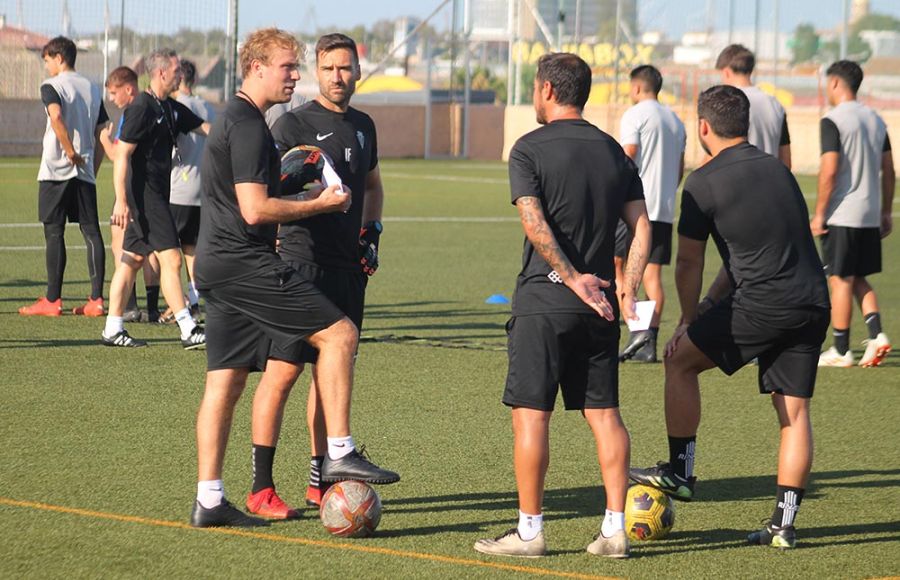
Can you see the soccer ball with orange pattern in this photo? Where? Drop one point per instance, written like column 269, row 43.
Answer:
column 350, row 509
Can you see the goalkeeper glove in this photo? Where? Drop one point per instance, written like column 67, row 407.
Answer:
column 368, row 246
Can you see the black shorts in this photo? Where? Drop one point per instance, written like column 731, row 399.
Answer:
column 152, row 227
column 851, row 251
column 661, row 243
column 575, row 352
column 244, row 319
column 345, row 289
column 72, row 199
column 786, row 343
column 623, row 240
column 187, row 223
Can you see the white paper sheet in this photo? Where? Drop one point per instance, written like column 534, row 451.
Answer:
column 644, row 311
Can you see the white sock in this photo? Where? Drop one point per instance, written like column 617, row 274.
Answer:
column 612, row 523
column 185, row 322
column 530, row 525
column 193, row 295
column 210, row 493
column 340, row 446
column 114, row 325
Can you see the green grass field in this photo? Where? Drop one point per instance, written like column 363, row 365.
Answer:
column 98, row 451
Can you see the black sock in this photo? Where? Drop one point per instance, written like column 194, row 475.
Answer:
column 96, row 258
column 681, row 455
column 54, row 235
column 132, row 299
column 841, row 340
column 873, row 323
column 152, row 298
column 263, row 459
column 315, row 471
column 786, row 505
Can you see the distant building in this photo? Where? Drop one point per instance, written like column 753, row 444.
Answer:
column 884, row 43
column 702, row 48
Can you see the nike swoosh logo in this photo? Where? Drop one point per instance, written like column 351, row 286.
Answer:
column 320, row 137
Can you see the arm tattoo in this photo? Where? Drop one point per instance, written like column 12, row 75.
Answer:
column 541, row 237
column 634, row 267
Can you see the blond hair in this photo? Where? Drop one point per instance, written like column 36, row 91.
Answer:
column 259, row 46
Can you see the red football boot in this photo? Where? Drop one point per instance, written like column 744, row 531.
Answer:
column 267, row 504
column 43, row 307
column 93, row 307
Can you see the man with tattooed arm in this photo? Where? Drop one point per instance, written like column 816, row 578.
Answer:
column 571, row 183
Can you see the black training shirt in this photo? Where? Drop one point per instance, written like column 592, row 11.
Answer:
column 152, row 125
column 583, row 179
column 239, row 149
column 330, row 240
column 751, row 205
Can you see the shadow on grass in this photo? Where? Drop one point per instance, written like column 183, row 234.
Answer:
column 48, row 343
column 22, row 283
column 807, row 538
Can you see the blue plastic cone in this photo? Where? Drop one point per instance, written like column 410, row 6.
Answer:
column 497, row 299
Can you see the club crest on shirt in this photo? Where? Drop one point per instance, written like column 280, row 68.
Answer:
column 361, row 138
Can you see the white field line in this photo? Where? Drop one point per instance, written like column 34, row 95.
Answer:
column 396, row 219
column 438, row 177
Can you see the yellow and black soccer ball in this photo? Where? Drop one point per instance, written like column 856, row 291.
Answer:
column 649, row 513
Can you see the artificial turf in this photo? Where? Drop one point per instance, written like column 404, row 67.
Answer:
column 98, row 448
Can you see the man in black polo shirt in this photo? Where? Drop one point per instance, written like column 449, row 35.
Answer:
column 336, row 251
column 144, row 155
column 769, row 302
column 253, row 299
column 571, row 183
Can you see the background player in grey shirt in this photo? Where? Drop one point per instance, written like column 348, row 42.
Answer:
column 853, row 211
column 184, row 198
column 768, row 122
column 654, row 137
column 69, row 162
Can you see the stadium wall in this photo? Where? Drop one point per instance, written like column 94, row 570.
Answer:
column 494, row 130
column 803, row 123
column 401, row 129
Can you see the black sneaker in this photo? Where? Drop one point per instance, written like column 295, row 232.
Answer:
column 224, row 514
column 355, row 466
column 636, row 341
column 121, row 339
column 196, row 339
column 152, row 317
column 647, row 353
column 663, row 477
column 771, row 535
column 135, row 315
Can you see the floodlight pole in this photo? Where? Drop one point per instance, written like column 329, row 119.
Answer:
column 730, row 20
column 121, row 32
column 105, row 44
column 517, row 73
column 577, row 21
column 618, row 39
column 467, row 87
column 230, row 49
column 756, row 28
column 560, row 24
column 429, row 64
column 510, row 34
column 845, row 16
column 775, row 47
